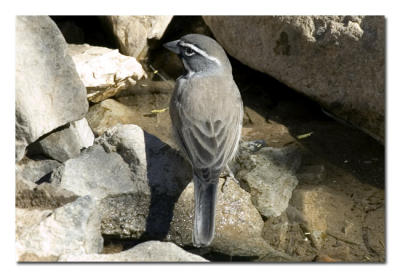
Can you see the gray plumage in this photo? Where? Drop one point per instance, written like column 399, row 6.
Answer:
column 206, row 112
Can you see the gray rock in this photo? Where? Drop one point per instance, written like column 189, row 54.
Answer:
column 136, row 177
column 65, row 143
column 132, row 32
column 49, row 92
column 238, row 225
column 337, row 60
column 150, row 251
column 96, row 173
column 29, row 195
column 269, row 175
column 73, row 228
column 35, row 170
column 104, row 71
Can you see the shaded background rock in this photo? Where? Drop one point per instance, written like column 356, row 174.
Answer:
column 133, row 32
column 104, row 71
column 49, row 92
column 73, row 228
column 150, row 251
column 338, row 61
column 65, row 142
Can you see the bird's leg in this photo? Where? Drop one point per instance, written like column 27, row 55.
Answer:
column 229, row 176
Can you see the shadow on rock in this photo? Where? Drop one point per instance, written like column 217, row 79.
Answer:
column 168, row 175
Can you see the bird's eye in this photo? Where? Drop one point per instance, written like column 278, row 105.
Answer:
column 189, row 51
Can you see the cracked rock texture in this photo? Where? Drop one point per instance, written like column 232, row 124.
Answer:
column 338, row 61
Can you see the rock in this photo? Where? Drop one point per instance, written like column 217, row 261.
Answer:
column 238, row 225
column 98, row 174
column 136, row 177
column 269, row 175
column 107, row 114
column 150, row 251
column 49, row 92
column 338, row 61
column 44, row 196
column 64, row 143
column 104, row 71
column 132, row 32
column 167, row 174
column 36, row 170
column 73, row 228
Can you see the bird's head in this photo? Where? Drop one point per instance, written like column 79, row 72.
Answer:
column 200, row 54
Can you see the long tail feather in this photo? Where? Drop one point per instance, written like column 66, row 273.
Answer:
column 205, row 194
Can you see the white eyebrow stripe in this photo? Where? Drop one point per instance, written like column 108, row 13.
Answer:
column 201, row 52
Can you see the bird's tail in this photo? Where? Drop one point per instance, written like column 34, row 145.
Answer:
column 205, row 194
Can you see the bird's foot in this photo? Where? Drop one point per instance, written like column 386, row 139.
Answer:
column 228, row 176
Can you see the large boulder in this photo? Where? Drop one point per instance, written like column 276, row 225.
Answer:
column 49, row 92
column 337, row 60
column 104, row 71
column 150, row 251
column 132, row 32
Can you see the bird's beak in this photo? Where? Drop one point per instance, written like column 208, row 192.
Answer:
column 172, row 46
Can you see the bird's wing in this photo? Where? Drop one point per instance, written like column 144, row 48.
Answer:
column 209, row 136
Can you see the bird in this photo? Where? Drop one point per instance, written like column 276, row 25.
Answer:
column 206, row 111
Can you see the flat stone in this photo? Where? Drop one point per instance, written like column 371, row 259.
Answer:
column 104, row 71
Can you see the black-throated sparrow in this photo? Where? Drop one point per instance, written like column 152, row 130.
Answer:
column 206, row 112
